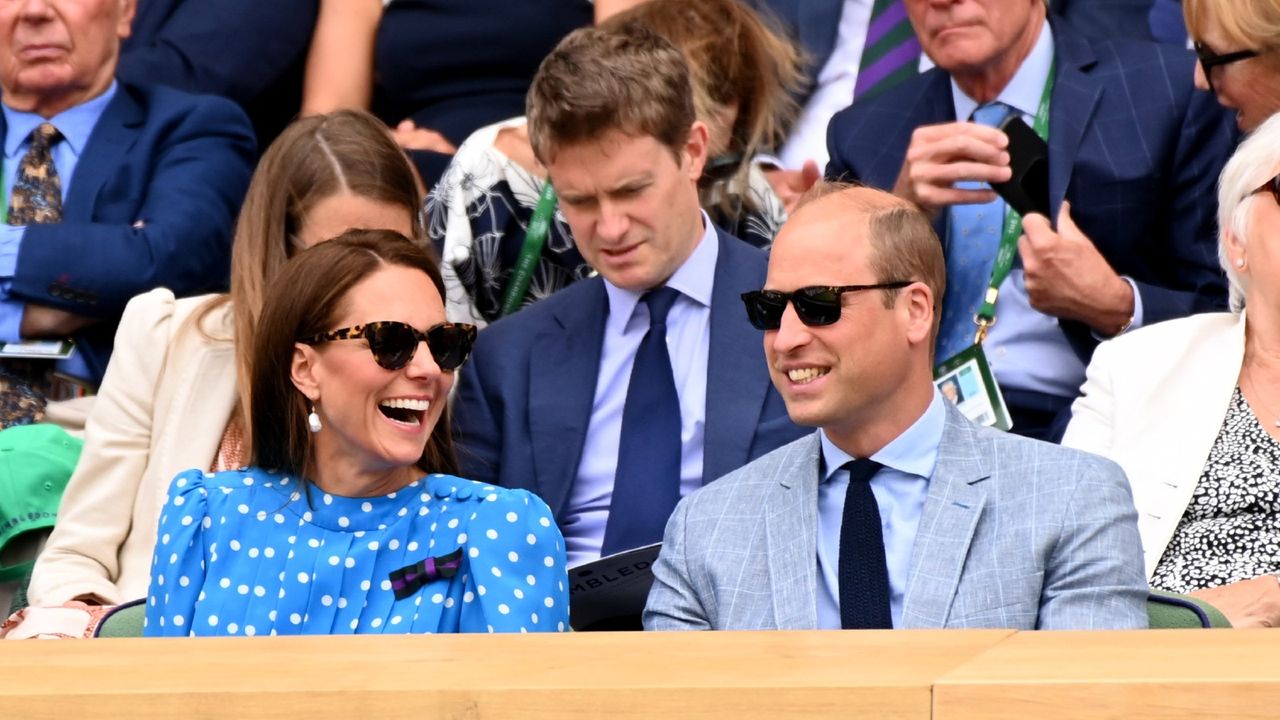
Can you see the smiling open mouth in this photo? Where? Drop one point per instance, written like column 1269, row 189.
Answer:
column 405, row 411
column 804, row 376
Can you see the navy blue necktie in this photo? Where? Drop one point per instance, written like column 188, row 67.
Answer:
column 864, row 574
column 646, row 485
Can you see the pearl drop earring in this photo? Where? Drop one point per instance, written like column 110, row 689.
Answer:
column 1240, row 263
column 313, row 420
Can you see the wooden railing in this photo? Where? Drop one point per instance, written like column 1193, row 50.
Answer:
column 948, row 675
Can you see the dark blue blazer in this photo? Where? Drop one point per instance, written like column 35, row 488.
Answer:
column 152, row 203
column 250, row 51
column 525, row 398
column 1132, row 145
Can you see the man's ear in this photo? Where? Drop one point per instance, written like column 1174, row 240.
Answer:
column 694, row 152
column 128, row 10
column 917, row 301
column 303, row 371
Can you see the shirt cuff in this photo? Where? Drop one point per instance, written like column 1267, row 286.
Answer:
column 10, row 315
column 768, row 162
column 1135, row 322
column 10, row 241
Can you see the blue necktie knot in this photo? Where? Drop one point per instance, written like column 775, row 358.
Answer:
column 660, row 300
column 991, row 114
column 862, row 469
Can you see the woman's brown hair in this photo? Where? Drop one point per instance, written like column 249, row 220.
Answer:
column 316, row 157
column 736, row 61
column 305, row 302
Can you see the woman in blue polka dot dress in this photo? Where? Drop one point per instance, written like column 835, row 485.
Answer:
column 357, row 531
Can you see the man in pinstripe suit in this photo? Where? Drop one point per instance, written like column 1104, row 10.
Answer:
column 1134, row 152
column 941, row 523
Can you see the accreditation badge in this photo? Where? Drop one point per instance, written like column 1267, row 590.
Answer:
column 966, row 380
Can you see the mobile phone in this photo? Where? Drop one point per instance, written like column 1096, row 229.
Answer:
column 1027, row 191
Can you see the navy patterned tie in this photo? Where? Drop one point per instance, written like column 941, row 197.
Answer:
column 863, row 572
column 646, row 485
column 37, row 190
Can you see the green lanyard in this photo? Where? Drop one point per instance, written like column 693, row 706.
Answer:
column 535, row 236
column 986, row 316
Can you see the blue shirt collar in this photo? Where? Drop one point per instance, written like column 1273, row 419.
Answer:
column 694, row 279
column 914, row 452
column 76, row 124
column 1027, row 86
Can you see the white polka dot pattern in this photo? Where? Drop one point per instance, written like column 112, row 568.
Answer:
column 245, row 554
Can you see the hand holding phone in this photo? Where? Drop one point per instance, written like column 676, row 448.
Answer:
column 1027, row 191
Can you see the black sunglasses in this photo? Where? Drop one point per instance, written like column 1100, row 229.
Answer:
column 1210, row 60
column 1272, row 186
column 393, row 344
column 815, row 305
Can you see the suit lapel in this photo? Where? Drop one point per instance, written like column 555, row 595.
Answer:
column 947, row 524
column 563, row 367
column 112, row 138
column 791, row 527
column 1075, row 99
column 737, row 377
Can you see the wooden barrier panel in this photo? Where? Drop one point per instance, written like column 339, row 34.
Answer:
column 873, row 674
column 1158, row 674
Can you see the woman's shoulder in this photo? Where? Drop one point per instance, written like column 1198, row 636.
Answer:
column 489, row 497
column 158, row 313
column 229, row 480
column 1189, row 329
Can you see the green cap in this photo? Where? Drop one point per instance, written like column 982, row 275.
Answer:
column 36, row 462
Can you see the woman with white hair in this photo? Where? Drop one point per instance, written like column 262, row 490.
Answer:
column 1190, row 409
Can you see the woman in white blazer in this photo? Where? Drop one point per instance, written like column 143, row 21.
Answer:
column 170, row 400
column 1190, row 409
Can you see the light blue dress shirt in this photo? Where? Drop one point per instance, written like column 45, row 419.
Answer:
column 76, row 125
column 900, row 488
column 1027, row 349
column 688, row 342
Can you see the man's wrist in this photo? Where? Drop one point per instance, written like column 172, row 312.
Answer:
column 1121, row 316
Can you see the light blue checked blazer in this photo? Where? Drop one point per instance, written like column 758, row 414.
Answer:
column 1015, row 533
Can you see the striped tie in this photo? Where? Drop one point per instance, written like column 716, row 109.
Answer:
column 891, row 53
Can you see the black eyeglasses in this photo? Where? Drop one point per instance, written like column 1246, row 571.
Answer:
column 815, row 305
column 1272, row 186
column 1210, row 60
column 394, row 343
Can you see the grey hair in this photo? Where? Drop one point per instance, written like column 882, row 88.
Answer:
column 1254, row 162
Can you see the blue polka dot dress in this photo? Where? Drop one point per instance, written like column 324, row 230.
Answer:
column 242, row 553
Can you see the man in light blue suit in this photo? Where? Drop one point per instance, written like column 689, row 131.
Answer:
column 898, row 512
column 588, row 397
column 1134, row 152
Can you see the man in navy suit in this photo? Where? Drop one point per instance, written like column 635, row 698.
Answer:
column 1134, row 153
column 553, row 398
column 833, row 32
column 148, row 180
